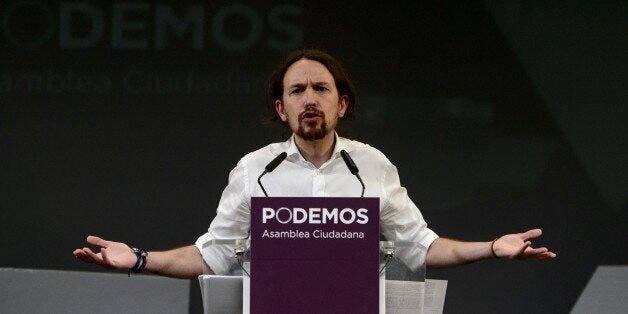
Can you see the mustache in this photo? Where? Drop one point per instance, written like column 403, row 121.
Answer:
column 310, row 112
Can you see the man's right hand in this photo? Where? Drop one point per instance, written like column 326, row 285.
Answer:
column 112, row 255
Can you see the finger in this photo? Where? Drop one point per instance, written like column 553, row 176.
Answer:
column 97, row 258
column 522, row 251
column 104, row 256
column 543, row 256
column 78, row 253
column 86, row 259
column 531, row 234
column 84, row 256
column 98, row 241
column 532, row 252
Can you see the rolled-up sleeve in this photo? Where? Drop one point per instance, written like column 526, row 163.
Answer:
column 400, row 219
column 232, row 221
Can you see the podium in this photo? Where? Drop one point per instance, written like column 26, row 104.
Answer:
column 402, row 285
column 313, row 255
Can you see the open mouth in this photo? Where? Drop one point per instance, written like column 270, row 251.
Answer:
column 310, row 116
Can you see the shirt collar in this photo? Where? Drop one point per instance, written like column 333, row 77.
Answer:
column 293, row 151
column 341, row 144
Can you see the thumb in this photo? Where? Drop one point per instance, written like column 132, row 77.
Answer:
column 531, row 234
column 98, row 241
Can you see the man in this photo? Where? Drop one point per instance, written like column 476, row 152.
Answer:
column 311, row 94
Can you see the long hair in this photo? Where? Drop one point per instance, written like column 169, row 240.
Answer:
column 341, row 78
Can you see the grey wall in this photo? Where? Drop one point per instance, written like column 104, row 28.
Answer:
column 54, row 291
column 124, row 119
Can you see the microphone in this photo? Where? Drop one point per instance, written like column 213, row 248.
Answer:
column 352, row 167
column 270, row 167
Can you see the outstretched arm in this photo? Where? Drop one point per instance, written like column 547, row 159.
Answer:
column 183, row 262
column 447, row 252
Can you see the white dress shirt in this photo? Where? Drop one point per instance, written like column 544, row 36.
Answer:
column 400, row 219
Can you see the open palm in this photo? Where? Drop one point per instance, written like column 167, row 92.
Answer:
column 519, row 246
column 112, row 254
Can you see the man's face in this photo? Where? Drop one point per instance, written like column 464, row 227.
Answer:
column 310, row 103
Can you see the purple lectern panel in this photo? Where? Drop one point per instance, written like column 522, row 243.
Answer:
column 314, row 255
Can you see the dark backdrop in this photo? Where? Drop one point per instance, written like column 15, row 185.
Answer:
column 123, row 120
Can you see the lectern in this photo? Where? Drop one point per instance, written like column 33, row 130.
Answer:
column 314, row 255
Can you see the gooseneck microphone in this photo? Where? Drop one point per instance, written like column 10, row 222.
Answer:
column 270, row 167
column 352, row 167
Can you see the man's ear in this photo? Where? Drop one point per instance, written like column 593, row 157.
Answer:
column 281, row 110
column 343, row 104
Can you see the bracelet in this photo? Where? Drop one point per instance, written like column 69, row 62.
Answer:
column 140, row 263
column 493, row 250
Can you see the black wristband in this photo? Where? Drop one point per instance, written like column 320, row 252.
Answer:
column 493, row 250
column 140, row 263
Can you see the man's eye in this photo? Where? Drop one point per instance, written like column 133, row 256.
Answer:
column 296, row 91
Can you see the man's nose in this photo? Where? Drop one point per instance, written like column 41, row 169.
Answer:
column 310, row 99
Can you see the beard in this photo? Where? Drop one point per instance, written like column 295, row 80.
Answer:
column 312, row 131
